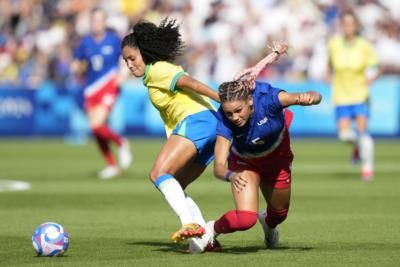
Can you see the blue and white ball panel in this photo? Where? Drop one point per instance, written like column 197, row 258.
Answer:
column 50, row 239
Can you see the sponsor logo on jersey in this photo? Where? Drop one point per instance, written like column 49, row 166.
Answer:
column 263, row 121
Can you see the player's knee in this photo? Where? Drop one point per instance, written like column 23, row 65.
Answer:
column 245, row 220
column 156, row 172
column 347, row 135
column 275, row 217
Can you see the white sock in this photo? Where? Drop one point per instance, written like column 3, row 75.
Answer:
column 210, row 229
column 195, row 211
column 175, row 197
column 348, row 135
column 366, row 145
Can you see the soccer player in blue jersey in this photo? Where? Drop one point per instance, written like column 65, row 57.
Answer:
column 98, row 56
column 252, row 151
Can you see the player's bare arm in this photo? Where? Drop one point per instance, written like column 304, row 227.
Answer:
column 303, row 99
column 278, row 48
column 238, row 179
column 186, row 82
column 221, row 153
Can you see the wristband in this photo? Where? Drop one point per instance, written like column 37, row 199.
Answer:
column 228, row 176
column 277, row 52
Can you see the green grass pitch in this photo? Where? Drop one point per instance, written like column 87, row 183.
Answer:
column 335, row 219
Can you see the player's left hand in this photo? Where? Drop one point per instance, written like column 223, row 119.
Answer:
column 239, row 181
column 280, row 47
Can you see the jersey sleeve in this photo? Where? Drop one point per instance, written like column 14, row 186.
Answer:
column 275, row 106
column 269, row 97
column 371, row 57
column 166, row 75
column 222, row 128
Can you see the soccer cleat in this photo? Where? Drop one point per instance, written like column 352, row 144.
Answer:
column 202, row 244
column 109, row 172
column 355, row 156
column 213, row 246
column 205, row 243
column 188, row 231
column 271, row 235
column 124, row 154
column 367, row 175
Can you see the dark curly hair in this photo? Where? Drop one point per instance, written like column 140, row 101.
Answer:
column 156, row 43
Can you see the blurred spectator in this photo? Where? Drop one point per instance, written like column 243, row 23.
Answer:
column 388, row 47
column 44, row 32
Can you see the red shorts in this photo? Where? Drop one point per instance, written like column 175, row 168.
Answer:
column 274, row 168
column 106, row 96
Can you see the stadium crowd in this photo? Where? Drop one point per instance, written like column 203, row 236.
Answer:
column 38, row 37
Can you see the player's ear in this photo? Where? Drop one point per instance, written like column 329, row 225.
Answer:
column 250, row 100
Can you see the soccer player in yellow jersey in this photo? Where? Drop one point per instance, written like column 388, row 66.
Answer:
column 354, row 66
column 189, row 117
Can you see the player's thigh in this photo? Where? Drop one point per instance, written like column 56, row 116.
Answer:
column 176, row 152
column 343, row 124
column 98, row 115
column 276, row 198
column 247, row 199
column 189, row 172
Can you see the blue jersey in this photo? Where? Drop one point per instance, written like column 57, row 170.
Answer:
column 102, row 59
column 264, row 129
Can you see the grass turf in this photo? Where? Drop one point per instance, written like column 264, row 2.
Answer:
column 335, row 219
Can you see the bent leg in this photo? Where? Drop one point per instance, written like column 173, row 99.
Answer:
column 189, row 173
column 173, row 157
column 185, row 176
column 278, row 202
column 246, row 202
column 98, row 116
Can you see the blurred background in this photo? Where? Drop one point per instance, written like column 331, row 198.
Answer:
column 38, row 92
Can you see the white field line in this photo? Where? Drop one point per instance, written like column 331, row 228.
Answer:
column 10, row 185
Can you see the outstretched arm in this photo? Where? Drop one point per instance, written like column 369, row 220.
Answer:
column 278, row 49
column 186, row 82
column 303, row 99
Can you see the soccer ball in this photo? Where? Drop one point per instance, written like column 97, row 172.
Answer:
column 50, row 239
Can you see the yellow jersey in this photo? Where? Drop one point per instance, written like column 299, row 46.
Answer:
column 173, row 103
column 349, row 63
